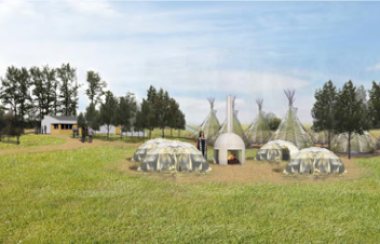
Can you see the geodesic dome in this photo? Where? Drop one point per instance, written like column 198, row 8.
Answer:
column 315, row 160
column 174, row 156
column 141, row 152
column 359, row 143
column 273, row 150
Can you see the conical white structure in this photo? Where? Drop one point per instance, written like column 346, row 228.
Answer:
column 259, row 132
column 210, row 125
column 290, row 128
column 236, row 126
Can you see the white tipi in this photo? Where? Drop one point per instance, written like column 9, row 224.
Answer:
column 210, row 125
column 259, row 132
column 290, row 128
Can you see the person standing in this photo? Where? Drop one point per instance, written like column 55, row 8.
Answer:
column 202, row 145
column 83, row 134
column 90, row 131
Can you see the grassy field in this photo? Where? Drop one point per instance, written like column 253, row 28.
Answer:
column 31, row 140
column 82, row 196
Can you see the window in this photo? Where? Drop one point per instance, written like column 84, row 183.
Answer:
column 66, row 126
column 55, row 127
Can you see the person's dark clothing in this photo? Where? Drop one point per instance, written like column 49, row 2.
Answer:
column 202, row 146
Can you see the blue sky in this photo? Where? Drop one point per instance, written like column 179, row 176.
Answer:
column 197, row 50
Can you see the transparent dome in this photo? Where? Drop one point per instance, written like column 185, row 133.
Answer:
column 273, row 150
column 315, row 160
column 141, row 152
column 174, row 156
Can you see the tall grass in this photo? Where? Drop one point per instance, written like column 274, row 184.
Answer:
column 81, row 196
column 31, row 140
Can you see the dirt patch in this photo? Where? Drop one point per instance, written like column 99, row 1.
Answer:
column 252, row 172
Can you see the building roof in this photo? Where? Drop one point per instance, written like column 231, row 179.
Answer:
column 64, row 118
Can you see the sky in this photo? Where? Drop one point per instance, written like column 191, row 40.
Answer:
column 196, row 50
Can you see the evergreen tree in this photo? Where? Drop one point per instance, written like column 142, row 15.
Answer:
column 148, row 111
column 39, row 90
column 374, row 105
column 24, row 98
column 95, row 88
column 125, row 113
column 181, row 121
column 172, row 115
column 81, row 122
column 162, row 110
column 92, row 117
column 9, row 93
column 108, row 111
column 69, row 89
column 323, row 110
column 138, row 124
column 350, row 114
column 49, row 77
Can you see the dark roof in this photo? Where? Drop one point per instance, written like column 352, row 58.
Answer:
column 64, row 118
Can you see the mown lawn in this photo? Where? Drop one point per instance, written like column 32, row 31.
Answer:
column 32, row 140
column 80, row 196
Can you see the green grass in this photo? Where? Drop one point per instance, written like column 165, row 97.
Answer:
column 31, row 141
column 80, row 196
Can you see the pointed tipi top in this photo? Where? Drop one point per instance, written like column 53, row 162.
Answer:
column 259, row 103
column 210, row 125
column 211, row 100
column 290, row 95
column 258, row 131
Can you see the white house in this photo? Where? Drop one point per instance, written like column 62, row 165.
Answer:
column 65, row 125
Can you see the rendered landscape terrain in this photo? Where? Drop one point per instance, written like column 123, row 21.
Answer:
column 106, row 108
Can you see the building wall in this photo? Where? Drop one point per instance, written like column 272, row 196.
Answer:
column 50, row 121
column 103, row 130
column 63, row 131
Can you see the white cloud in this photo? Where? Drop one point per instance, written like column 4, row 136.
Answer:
column 99, row 7
column 13, row 9
column 375, row 67
column 188, row 66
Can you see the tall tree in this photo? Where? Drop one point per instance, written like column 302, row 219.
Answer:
column 108, row 111
column 125, row 113
column 24, row 97
column 96, row 87
column 138, row 124
column 374, row 105
column 172, row 115
column 92, row 116
column 81, row 121
column 149, row 118
column 181, row 121
column 350, row 114
column 9, row 94
column 323, row 110
column 69, row 89
column 39, row 90
column 162, row 110
column 49, row 82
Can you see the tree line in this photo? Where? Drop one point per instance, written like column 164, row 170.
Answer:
column 346, row 110
column 158, row 110
column 27, row 95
